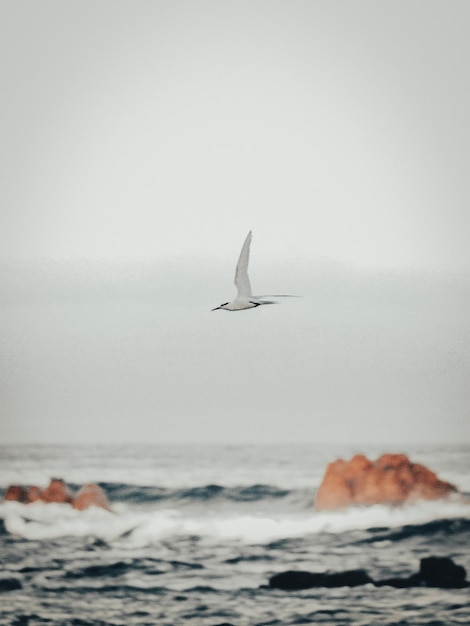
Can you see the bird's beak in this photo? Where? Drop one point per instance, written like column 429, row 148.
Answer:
column 217, row 307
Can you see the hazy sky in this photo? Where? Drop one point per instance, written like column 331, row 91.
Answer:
column 140, row 141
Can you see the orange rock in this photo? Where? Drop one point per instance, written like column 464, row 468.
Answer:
column 33, row 494
column 57, row 491
column 15, row 493
column 392, row 479
column 23, row 494
column 90, row 495
column 427, row 484
column 359, row 463
column 387, row 461
column 406, row 476
column 335, row 491
column 367, row 488
column 392, row 489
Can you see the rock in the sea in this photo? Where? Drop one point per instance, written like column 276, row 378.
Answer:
column 19, row 493
column 57, row 491
column 90, row 495
column 349, row 578
column 442, row 572
column 391, row 479
column 434, row 571
column 296, row 580
column 33, row 494
column 16, row 493
column 10, row 584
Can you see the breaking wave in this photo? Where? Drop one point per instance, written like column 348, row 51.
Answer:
column 162, row 518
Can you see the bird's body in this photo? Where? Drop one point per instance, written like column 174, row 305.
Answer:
column 245, row 298
column 239, row 304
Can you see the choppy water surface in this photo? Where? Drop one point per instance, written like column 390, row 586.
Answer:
column 196, row 532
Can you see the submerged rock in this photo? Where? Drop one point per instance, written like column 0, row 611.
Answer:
column 434, row 571
column 296, row 580
column 391, row 479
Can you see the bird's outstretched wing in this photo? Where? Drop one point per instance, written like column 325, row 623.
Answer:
column 242, row 282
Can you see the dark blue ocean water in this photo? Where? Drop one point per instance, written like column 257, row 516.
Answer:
column 196, row 532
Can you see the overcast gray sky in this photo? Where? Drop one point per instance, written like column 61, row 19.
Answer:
column 140, row 141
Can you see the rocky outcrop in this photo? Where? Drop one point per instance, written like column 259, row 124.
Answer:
column 33, row 494
column 59, row 492
column 22, row 494
column 90, row 495
column 391, row 479
column 434, row 571
column 298, row 579
column 16, row 493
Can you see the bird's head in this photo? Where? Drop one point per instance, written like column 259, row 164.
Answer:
column 222, row 306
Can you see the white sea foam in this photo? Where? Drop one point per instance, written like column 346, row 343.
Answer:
column 259, row 529
column 47, row 521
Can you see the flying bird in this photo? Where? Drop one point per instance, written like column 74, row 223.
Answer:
column 245, row 298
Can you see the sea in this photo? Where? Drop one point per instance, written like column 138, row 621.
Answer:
column 196, row 531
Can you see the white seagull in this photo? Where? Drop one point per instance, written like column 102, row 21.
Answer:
column 245, row 298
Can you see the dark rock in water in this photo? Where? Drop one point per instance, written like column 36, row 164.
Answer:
column 10, row 584
column 398, row 583
column 434, row 571
column 292, row 580
column 442, row 572
column 296, row 580
column 350, row 578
